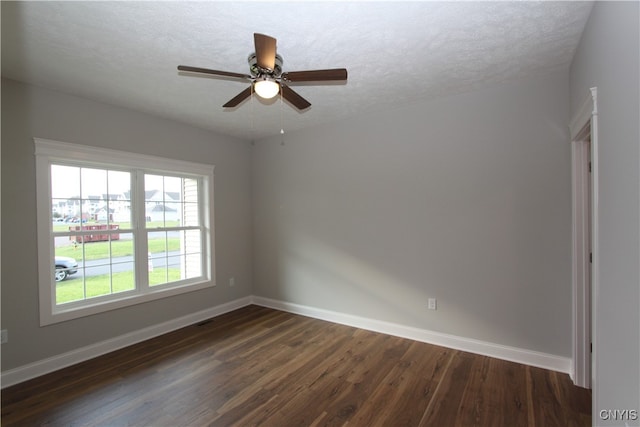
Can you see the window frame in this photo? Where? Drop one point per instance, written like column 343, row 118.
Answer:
column 48, row 152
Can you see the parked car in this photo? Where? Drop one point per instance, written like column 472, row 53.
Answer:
column 64, row 267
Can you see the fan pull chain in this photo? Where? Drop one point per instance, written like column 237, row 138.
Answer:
column 281, row 118
column 253, row 116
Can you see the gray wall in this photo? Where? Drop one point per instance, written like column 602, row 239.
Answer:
column 608, row 57
column 465, row 199
column 29, row 112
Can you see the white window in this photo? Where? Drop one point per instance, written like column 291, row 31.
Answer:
column 117, row 228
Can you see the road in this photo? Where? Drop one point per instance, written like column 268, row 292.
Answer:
column 98, row 267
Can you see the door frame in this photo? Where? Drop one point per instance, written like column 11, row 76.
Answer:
column 584, row 188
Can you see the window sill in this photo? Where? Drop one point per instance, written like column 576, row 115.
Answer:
column 66, row 312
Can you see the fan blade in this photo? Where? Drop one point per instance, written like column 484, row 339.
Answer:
column 265, row 51
column 316, row 75
column 214, row 72
column 292, row 96
column 234, row 102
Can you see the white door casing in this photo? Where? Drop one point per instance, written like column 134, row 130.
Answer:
column 584, row 171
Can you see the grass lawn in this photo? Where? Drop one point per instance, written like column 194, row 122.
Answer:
column 100, row 250
column 72, row 289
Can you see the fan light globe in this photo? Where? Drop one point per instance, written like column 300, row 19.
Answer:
column 266, row 89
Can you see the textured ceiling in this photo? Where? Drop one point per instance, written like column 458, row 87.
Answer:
column 126, row 53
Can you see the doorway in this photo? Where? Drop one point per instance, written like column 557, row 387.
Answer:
column 584, row 248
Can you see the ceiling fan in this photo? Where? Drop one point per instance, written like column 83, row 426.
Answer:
column 267, row 79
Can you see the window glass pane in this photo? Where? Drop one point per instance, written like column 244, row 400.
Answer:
column 68, row 269
column 61, row 211
column 158, row 275
column 109, row 279
column 97, row 281
column 86, row 195
column 66, row 211
column 65, row 182
column 171, row 201
column 191, row 242
column 174, row 268
column 172, row 214
column 192, row 266
column 191, row 216
column 119, row 213
column 120, row 183
column 164, row 275
column 191, row 246
column 104, row 264
column 174, row 255
column 96, row 249
column 154, row 200
column 89, row 208
column 154, row 187
column 154, row 214
column 119, row 198
column 123, row 278
column 173, row 188
column 122, row 262
column 122, row 247
column 93, row 182
column 157, row 244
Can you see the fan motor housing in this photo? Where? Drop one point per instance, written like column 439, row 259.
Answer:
column 257, row 71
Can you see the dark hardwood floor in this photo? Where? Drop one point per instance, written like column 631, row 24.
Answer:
column 257, row 366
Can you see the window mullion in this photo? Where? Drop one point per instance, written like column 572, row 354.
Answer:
column 140, row 235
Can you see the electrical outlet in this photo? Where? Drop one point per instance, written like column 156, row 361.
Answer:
column 4, row 336
column 432, row 304
column 232, row 281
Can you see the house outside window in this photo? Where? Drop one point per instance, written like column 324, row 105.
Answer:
column 116, row 229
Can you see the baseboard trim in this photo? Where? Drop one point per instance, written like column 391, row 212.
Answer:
column 45, row 366
column 513, row 354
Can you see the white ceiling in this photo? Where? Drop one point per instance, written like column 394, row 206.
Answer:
column 126, row 53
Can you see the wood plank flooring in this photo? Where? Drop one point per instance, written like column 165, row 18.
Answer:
column 257, row 366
